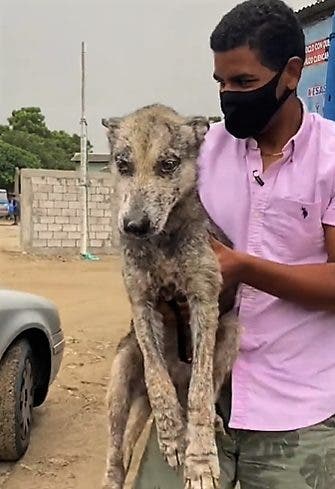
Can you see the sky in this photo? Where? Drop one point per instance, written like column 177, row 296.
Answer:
column 138, row 52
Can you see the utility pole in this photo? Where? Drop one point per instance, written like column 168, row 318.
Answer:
column 83, row 155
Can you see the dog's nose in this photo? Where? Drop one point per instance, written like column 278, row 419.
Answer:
column 138, row 228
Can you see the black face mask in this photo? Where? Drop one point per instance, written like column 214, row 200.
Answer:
column 248, row 113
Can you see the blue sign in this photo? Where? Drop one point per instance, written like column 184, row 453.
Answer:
column 312, row 86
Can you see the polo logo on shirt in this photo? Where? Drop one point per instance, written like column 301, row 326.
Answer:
column 304, row 212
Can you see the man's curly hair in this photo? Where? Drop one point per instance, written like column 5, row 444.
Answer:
column 269, row 27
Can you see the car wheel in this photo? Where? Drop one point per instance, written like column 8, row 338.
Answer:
column 16, row 400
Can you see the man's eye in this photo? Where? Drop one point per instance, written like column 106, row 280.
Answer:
column 221, row 83
column 246, row 83
column 124, row 166
column 168, row 166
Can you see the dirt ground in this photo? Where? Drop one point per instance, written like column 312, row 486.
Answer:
column 67, row 449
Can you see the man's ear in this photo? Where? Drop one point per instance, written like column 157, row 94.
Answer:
column 200, row 126
column 293, row 70
column 112, row 124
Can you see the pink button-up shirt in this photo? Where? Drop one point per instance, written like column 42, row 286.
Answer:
column 284, row 377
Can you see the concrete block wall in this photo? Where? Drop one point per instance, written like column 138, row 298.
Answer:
column 51, row 212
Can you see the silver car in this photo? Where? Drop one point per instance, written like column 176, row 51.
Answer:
column 31, row 351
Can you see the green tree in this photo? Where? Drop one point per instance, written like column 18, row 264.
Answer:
column 27, row 130
column 29, row 119
column 12, row 157
column 50, row 155
column 70, row 144
column 3, row 129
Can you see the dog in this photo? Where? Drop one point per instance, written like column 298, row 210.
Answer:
column 164, row 238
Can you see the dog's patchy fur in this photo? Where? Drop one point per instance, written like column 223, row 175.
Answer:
column 164, row 239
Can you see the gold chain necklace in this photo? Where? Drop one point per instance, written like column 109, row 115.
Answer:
column 272, row 154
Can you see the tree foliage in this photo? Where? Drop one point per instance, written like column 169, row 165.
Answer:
column 12, row 157
column 27, row 132
column 29, row 119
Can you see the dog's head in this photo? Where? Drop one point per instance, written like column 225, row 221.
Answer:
column 154, row 151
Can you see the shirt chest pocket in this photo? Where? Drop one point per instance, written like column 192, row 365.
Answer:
column 294, row 228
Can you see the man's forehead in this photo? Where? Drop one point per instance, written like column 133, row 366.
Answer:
column 241, row 61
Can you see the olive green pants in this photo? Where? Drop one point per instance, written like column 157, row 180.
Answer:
column 300, row 459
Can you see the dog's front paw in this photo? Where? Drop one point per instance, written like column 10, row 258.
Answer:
column 171, row 440
column 202, row 470
column 173, row 450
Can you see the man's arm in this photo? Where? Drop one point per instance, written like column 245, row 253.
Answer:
column 311, row 286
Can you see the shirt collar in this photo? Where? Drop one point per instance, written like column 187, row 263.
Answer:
column 296, row 146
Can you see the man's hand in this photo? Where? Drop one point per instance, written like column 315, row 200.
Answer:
column 231, row 262
column 312, row 286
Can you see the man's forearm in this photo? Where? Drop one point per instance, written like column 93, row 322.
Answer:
column 308, row 285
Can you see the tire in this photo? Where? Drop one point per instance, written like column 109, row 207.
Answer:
column 16, row 400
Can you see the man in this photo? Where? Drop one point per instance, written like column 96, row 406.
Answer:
column 16, row 210
column 267, row 178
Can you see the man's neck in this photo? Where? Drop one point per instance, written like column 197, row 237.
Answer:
column 284, row 126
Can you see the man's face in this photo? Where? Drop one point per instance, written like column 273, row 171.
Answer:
column 240, row 70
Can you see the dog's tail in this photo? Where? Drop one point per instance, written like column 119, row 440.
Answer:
column 128, row 409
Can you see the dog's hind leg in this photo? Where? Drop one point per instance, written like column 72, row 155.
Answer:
column 127, row 372
column 138, row 416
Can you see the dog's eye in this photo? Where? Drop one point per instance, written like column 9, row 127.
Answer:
column 168, row 166
column 124, row 166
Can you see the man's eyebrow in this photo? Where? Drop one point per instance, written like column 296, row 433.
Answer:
column 217, row 78
column 234, row 78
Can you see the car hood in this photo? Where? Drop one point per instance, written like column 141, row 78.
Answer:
column 13, row 299
column 28, row 308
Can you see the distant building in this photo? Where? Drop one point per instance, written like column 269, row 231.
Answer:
column 95, row 161
column 317, row 86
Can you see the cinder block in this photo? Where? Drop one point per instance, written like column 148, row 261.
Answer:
column 96, row 227
column 60, row 235
column 70, row 197
column 51, row 180
column 45, row 235
column 62, row 220
column 69, row 243
column 103, row 235
column 41, row 196
column 58, row 189
column 70, row 227
column 38, row 180
column 47, row 220
column 41, row 227
column 48, row 204
column 54, row 243
column 39, row 243
column 105, row 221
column 45, row 188
column 96, row 212
column 68, row 212
column 96, row 243
column 56, row 197
column 61, row 205
column 55, row 227
column 54, row 212
column 97, row 198
column 72, row 189
column 74, row 235
column 74, row 205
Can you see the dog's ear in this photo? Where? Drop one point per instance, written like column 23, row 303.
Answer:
column 200, row 126
column 113, row 125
